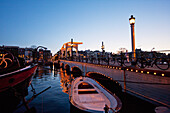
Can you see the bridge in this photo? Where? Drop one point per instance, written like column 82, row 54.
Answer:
column 149, row 84
column 68, row 47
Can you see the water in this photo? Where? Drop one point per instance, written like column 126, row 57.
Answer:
column 54, row 99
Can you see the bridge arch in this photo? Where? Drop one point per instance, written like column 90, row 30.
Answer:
column 106, row 81
column 67, row 68
column 62, row 66
column 76, row 71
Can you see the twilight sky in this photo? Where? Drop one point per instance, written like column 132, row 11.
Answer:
column 51, row 23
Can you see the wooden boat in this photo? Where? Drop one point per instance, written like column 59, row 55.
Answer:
column 87, row 95
column 12, row 94
column 13, row 78
column 13, row 71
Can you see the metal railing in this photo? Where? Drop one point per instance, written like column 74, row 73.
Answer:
column 160, row 61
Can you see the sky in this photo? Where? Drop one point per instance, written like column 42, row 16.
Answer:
column 51, row 23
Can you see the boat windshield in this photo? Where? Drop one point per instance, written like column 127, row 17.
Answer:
column 85, row 85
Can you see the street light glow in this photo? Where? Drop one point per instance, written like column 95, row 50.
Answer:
column 132, row 20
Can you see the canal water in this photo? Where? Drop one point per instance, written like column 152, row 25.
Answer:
column 52, row 100
column 56, row 99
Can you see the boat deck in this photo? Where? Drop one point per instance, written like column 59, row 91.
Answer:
column 90, row 97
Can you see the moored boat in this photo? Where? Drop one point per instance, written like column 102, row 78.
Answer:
column 87, row 95
column 13, row 71
column 13, row 78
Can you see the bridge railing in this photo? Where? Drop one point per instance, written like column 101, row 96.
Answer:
column 142, row 60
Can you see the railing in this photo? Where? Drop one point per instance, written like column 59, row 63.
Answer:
column 160, row 61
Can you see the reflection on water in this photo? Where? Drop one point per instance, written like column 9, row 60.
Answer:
column 11, row 98
column 54, row 99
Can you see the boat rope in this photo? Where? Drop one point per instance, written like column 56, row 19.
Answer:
column 33, row 97
column 33, row 90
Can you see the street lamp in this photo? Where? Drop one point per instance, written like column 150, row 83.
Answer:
column 132, row 22
column 102, row 51
column 152, row 49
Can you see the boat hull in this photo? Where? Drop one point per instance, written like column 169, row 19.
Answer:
column 11, row 79
column 89, row 96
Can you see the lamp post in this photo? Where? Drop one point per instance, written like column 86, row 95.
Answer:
column 132, row 22
column 102, row 51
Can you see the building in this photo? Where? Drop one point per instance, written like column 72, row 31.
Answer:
column 47, row 55
column 44, row 55
column 12, row 49
column 40, row 55
column 28, row 53
column 21, row 52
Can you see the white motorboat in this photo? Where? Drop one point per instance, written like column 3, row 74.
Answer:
column 87, row 95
